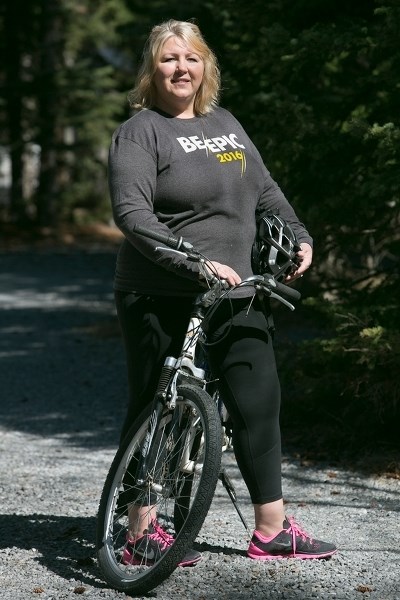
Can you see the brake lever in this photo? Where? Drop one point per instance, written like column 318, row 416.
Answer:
column 165, row 249
column 188, row 254
column 280, row 299
column 267, row 290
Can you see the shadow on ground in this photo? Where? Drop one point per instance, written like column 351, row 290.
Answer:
column 64, row 545
column 62, row 360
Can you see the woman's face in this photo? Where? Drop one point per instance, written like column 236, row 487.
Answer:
column 178, row 76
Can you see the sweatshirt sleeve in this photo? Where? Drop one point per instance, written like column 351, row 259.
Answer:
column 274, row 200
column 132, row 175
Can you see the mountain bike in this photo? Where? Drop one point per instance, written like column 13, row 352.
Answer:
column 170, row 461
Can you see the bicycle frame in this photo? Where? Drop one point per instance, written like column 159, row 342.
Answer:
column 183, row 367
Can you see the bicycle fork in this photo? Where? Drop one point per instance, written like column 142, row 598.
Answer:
column 159, row 404
column 166, row 395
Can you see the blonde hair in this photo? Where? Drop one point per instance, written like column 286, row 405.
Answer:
column 143, row 94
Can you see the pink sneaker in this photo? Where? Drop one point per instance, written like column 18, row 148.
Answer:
column 291, row 542
column 149, row 548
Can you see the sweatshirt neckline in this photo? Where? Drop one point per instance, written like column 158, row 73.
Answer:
column 168, row 116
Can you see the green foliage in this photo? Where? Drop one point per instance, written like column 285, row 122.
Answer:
column 316, row 85
column 317, row 89
column 343, row 387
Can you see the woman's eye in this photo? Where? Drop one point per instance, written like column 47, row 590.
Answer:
column 166, row 59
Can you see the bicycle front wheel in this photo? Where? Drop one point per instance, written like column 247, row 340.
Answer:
column 179, row 487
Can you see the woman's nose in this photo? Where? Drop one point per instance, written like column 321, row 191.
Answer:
column 181, row 66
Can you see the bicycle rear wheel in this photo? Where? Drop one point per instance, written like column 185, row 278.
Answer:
column 181, row 481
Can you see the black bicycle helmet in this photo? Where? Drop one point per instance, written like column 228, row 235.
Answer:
column 275, row 247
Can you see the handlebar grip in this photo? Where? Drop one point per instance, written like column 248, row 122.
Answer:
column 287, row 291
column 167, row 239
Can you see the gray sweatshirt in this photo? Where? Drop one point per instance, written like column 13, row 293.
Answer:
column 199, row 178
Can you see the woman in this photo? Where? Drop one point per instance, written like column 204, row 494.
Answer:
column 183, row 165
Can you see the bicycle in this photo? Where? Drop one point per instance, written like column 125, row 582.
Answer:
column 170, row 460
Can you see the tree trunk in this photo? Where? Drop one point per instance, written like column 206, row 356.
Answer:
column 13, row 97
column 48, row 209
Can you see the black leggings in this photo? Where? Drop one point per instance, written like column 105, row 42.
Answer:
column 243, row 360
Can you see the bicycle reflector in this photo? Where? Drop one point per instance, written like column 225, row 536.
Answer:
column 275, row 247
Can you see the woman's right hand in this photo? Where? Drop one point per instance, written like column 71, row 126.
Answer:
column 223, row 272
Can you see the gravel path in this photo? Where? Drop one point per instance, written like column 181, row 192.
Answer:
column 62, row 400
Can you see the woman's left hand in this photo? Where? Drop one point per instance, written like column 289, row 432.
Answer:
column 305, row 258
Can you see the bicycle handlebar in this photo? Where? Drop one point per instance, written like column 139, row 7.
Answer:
column 167, row 239
column 171, row 241
column 285, row 289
